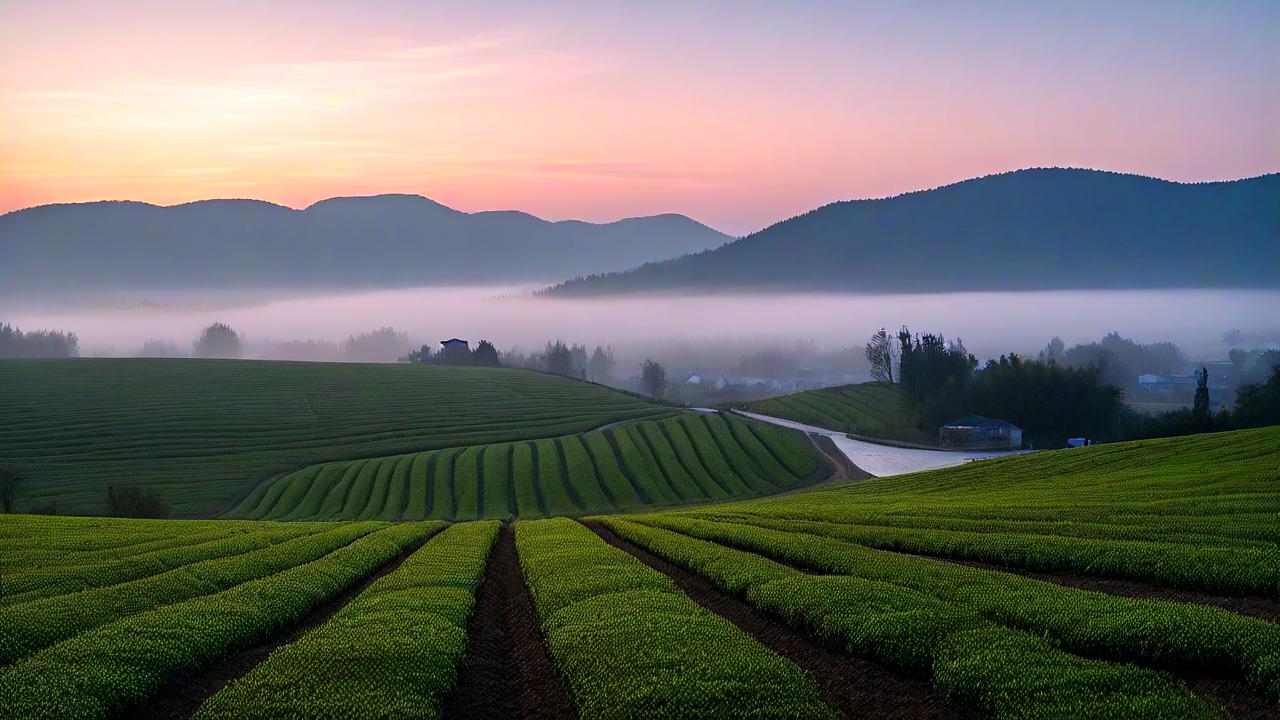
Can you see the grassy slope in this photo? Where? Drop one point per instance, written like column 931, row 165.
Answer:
column 1220, row 483
column 622, row 468
column 872, row 409
column 203, row 431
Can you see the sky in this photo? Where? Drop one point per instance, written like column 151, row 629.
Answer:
column 737, row 114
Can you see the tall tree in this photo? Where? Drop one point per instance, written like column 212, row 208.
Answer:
column 1054, row 351
column 600, row 366
column 485, row 355
column 217, row 341
column 653, row 379
column 1200, row 413
column 880, row 355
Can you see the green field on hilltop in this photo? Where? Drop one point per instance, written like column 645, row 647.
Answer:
column 980, row 584
column 202, row 432
column 870, row 409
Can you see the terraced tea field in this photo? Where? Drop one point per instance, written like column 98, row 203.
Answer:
column 869, row 409
column 685, row 459
column 1136, row 580
column 202, row 432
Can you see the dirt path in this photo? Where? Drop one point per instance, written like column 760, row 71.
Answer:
column 856, row 687
column 507, row 672
column 183, row 695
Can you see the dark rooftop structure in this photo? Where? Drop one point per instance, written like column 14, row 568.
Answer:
column 454, row 343
column 976, row 432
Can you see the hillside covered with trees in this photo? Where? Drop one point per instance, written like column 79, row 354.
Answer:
column 1025, row 230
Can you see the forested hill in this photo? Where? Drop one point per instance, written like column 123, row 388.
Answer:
column 379, row 241
column 1023, row 230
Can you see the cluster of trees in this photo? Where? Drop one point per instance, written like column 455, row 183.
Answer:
column 14, row 343
column 1048, row 400
column 1118, row 359
column 382, row 345
column 1257, row 405
column 483, row 355
column 561, row 358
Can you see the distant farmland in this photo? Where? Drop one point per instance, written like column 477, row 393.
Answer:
column 203, row 432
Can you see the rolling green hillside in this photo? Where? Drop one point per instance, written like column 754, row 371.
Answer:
column 872, row 409
column 202, row 432
column 627, row 467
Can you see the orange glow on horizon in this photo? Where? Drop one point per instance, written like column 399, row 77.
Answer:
column 592, row 121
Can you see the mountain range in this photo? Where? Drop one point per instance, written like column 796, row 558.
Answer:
column 1024, row 230
column 350, row 242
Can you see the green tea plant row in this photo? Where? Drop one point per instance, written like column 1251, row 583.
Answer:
column 1157, row 633
column 30, row 626
column 113, row 669
column 1150, row 528
column 393, row 651
column 35, row 542
column 631, row 645
column 26, row 584
column 201, row 431
column 634, row 465
column 913, row 632
column 1226, row 570
column 875, row 409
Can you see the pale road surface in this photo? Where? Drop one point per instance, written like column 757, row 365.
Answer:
column 884, row 460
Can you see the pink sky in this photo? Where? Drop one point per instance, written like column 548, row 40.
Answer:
column 736, row 114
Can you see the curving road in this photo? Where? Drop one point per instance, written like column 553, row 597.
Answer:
column 885, row 460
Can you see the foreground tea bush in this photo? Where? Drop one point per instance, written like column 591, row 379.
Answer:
column 633, row 646
column 393, row 651
column 30, row 626
column 1225, row 570
column 130, row 563
column 916, row 633
column 111, row 670
column 1163, row 634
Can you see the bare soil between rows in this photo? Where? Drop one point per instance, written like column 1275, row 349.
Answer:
column 508, row 671
column 856, row 687
column 184, row 695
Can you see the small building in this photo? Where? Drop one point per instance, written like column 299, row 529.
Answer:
column 452, row 343
column 975, row 432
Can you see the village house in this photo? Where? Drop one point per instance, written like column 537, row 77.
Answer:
column 974, row 432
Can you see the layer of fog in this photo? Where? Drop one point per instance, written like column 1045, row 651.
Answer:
column 687, row 332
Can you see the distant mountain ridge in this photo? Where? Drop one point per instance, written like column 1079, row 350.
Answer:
column 1047, row 228
column 346, row 242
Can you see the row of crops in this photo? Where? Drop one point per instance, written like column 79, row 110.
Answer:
column 872, row 409
column 691, row 457
column 201, row 431
column 99, row 616
column 106, row 650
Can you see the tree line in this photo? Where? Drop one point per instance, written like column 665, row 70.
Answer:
column 1050, row 397
column 14, row 343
